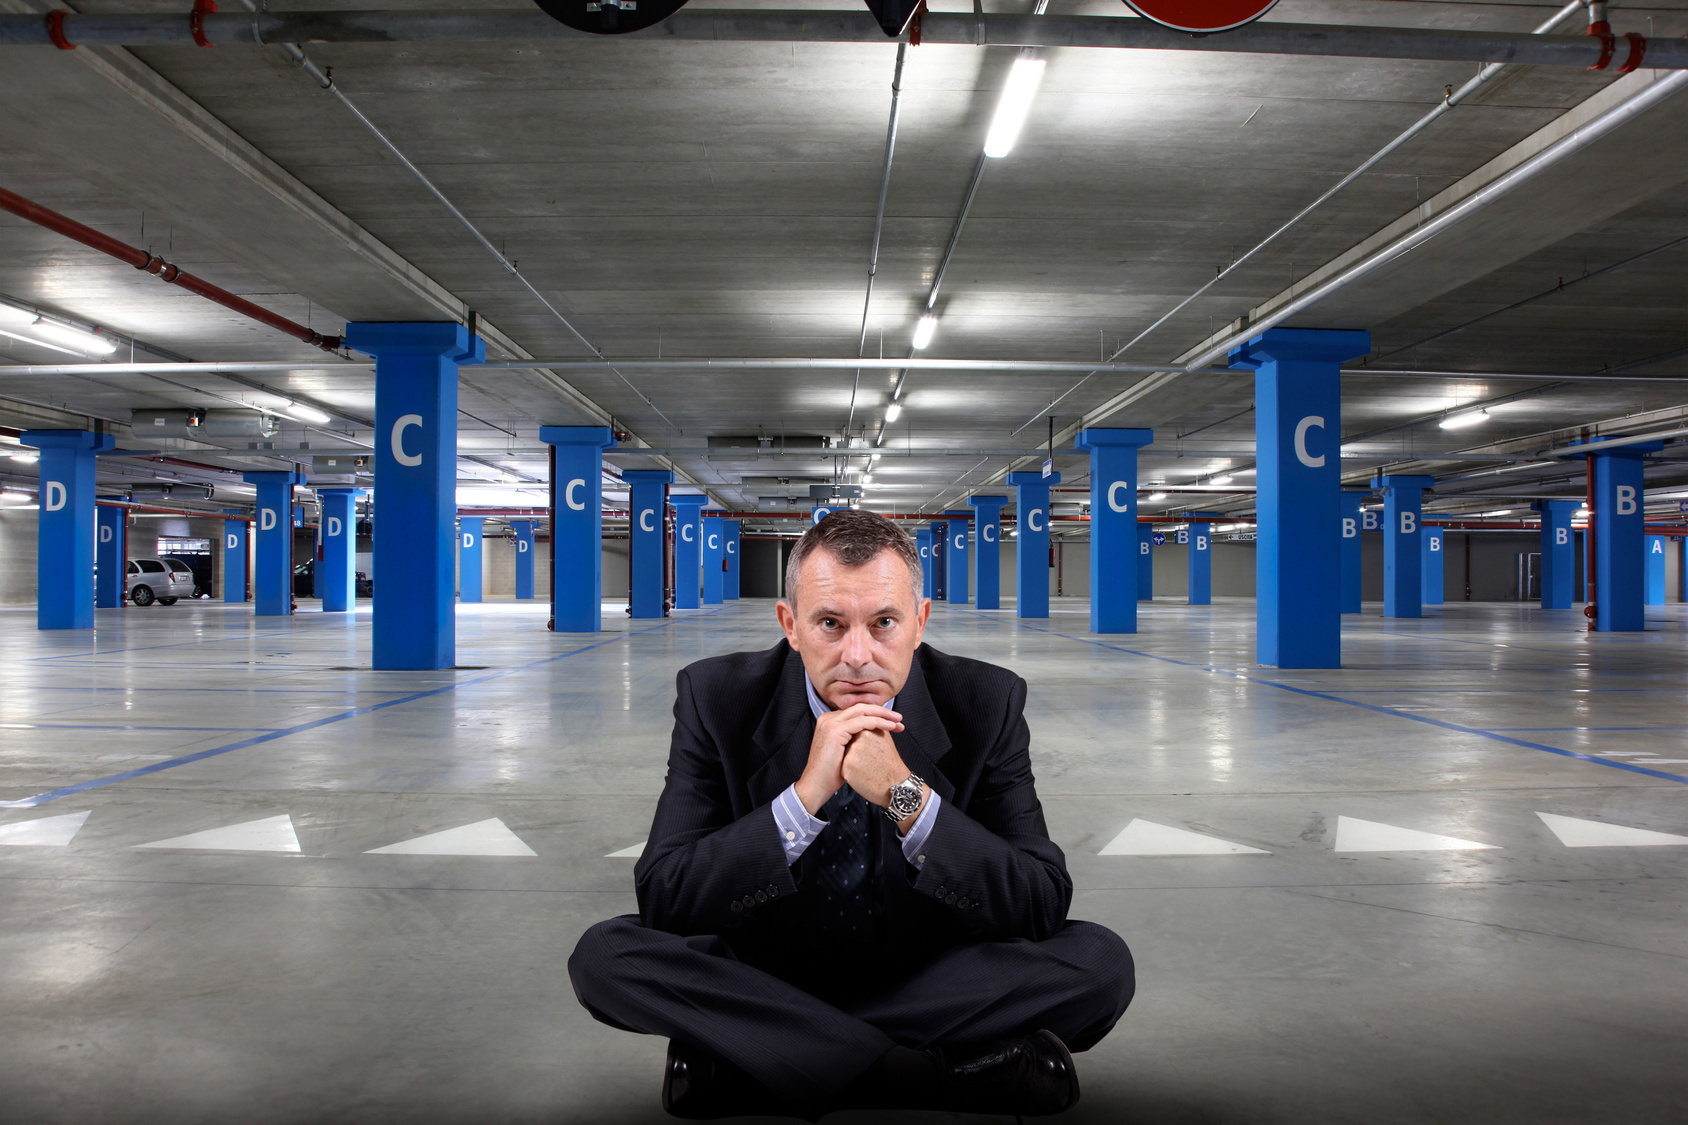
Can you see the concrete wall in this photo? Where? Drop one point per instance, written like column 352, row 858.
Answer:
column 17, row 556
column 498, row 568
column 1233, row 570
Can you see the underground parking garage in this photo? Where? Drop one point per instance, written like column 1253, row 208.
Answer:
column 617, row 563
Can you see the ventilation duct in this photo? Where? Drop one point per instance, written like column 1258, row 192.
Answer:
column 200, row 424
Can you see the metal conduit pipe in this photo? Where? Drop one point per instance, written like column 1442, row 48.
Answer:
column 1567, row 146
column 878, row 222
column 67, row 30
column 150, row 263
column 968, row 366
column 1454, row 98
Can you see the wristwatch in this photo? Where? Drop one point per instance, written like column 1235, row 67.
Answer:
column 906, row 797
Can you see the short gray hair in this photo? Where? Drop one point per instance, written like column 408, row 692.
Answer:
column 855, row 538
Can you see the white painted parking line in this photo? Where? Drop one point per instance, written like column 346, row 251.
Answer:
column 1145, row 837
column 271, row 834
column 484, row 837
column 1356, row 835
column 1575, row 832
column 43, row 832
column 633, row 852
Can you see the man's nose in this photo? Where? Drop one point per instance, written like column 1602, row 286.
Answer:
column 858, row 647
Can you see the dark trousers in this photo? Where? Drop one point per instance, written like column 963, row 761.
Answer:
column 808, row 1043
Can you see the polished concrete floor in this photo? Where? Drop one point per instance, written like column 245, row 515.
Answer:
column 1301, row 981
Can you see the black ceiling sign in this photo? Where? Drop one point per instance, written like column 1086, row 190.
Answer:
column 893, row 15
column 610, row 17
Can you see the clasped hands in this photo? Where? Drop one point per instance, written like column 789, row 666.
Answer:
column 854, row 747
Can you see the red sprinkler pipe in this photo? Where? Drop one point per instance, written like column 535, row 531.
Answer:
column 141, row 260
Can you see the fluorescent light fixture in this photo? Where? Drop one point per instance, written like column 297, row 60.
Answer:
column 85, row 342
column 1460, row 421
column 1496, row 512
column 25, row 456
column 1015, row 104
column 867, row 478
column 15, row 317
column 1226, row 479
column 924, row 328
column 876, row 456
column 893, row 412
column 1155, row 497
column 299, row 412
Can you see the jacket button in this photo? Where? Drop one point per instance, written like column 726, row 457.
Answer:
column 961, row 902
column 749, row 900
column 950, row 898
column 772, row 890
column 761, row 896
column 939, row 893
column 738, row 907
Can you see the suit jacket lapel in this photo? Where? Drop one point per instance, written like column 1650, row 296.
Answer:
column 783, row 735
column 923, row 741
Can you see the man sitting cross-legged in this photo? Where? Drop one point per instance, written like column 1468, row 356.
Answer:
column 849, row 898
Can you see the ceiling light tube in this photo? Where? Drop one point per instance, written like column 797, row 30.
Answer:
column 86, row 342
column 924, row 329
column 299, row 412
column 1460, row 421
column 893, row 412
column 1014, row 105
column 1156, row 497
column 1226, row 479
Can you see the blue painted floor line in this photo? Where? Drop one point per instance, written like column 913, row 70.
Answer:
column 1481, row 733
column 187, row 759
column 119, row 726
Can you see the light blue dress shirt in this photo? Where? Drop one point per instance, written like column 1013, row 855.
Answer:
column 798, row 829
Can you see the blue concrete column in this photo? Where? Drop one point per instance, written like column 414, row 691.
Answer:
column 1200, row 559
column 730, row 578
column 956, row 557
column 1558, row 553
column 928, row 579
column 1145, row 562
column 523, row 530
column 646, row 510
column 111, row 553
column 1655, row 570
column 64, row 566
column 234, row 560
column 714, row 562
column 821, row 511
column 1298, row 481
column 272, row 578
column 688, row 550
column 471, row 553
column 577, row 526
column 1403, row 555
column 1353, row 522
column 1619, row 551
column 337, row 569
column 987, row 549
column 1113, row 526
column 1433, row 563
column 416, row 485
column 1031, row 542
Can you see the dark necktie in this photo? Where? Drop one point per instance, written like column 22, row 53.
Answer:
column 845, row 852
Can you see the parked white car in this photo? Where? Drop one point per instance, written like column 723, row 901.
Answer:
column 158, row 580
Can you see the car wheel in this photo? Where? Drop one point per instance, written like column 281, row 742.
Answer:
column 166, row 601
column 141, row 595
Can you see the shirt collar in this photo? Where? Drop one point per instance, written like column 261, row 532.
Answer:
column 820, row 708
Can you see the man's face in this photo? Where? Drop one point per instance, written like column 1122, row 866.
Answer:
column 856, row 628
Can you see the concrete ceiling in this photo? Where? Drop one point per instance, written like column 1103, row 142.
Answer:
column 716, row 199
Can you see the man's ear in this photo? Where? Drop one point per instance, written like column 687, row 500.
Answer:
column 788, row 621
column 920, row 616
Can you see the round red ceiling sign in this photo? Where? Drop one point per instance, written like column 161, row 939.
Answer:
column 1202, row 15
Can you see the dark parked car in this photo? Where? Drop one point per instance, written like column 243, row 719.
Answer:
column 304, row 582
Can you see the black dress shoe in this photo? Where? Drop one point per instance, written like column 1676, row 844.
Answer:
column 1031, row 1077
column 700, row 1087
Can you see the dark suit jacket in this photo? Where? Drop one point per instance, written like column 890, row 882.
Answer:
column 742, row 726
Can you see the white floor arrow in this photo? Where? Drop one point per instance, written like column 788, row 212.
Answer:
column 44, row 832
column 1576, row 833
column 1355, row 835
column 633, row 852
column 484, row 837
column 1145, row 837
column 272, row 834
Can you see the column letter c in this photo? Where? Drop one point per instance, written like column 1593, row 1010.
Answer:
column 1031, row 519
column 1113, row 493
column 568, row 495
column 645, row 523
column 399, row 427
column 1312, row 421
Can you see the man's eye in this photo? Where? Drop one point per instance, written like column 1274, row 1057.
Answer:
column 829, row 623
column 887, row 622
